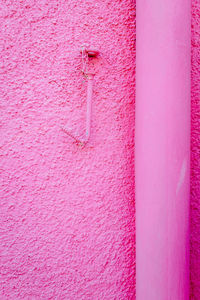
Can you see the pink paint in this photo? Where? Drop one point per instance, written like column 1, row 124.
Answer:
column 162, row 144
column 89, row 105
column 85, row 61
column 86, row 54
column 195, row 157
column 77, row 138
column 67, row 213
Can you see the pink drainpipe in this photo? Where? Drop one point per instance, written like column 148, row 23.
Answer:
column 162, row 149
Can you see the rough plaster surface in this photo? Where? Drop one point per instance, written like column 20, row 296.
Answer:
column 67, row 213
column 195, row 155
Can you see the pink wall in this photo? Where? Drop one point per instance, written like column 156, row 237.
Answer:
column 195, row 154
column 67, row 214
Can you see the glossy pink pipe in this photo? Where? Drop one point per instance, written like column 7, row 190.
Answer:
column 162, row 149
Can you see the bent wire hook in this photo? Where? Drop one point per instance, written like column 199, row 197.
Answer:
column 85, row 55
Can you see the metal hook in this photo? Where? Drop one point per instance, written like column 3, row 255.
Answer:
column 90, row 77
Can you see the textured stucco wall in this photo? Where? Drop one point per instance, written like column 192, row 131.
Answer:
column 67, row 215
column 195, row 155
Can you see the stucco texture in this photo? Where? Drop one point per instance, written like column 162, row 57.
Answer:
column 67, row 212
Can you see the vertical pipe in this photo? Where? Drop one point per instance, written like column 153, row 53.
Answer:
column 162, row 149
column 89, row 105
